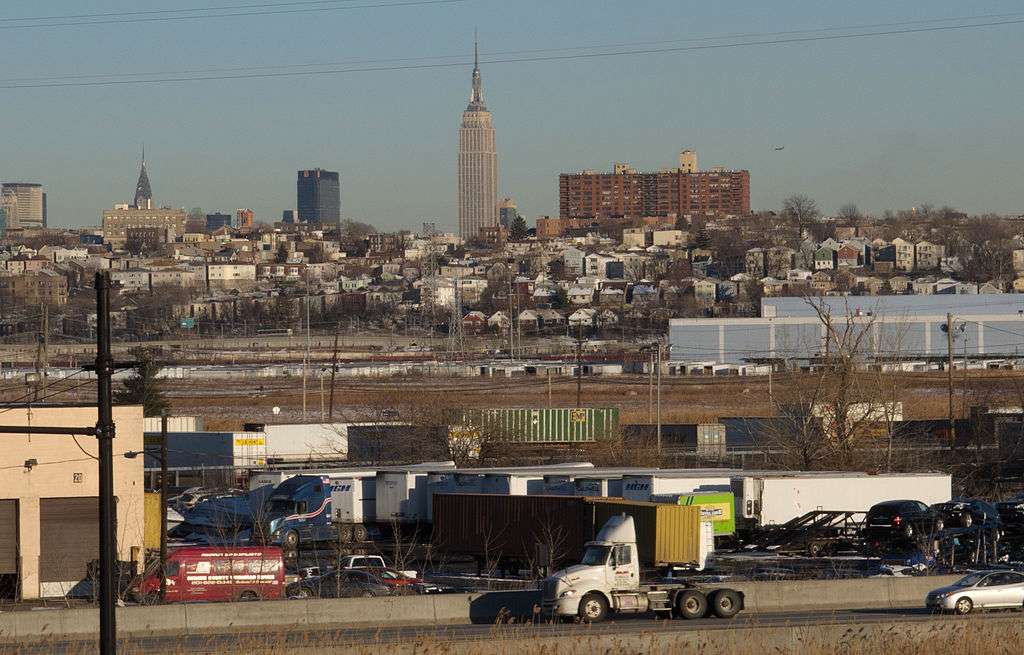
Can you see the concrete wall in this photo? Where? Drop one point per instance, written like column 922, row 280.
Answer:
column 67, row 470
column 441, row 609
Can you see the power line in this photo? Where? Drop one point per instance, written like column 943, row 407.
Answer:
column 463, row 60
column 514, row 60
column 231, row 14
column 172, row 11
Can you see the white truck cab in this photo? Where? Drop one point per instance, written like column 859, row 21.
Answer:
column 607, row 580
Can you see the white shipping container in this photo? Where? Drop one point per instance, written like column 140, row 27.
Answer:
column 353, row 499
column 643, row 487
column 151, row 424
column 401, row 496
column 773, row 499
column 513, row 484
column 299, row 442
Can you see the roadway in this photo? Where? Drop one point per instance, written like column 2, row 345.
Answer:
column 340, row 639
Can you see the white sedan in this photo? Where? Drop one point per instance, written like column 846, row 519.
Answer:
column 980, row 590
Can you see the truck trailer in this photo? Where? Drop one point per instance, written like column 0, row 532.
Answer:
column 771, row 498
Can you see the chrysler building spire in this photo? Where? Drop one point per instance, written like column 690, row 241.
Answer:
column 143, row 192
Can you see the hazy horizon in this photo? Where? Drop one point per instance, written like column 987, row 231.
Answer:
column 881, row 121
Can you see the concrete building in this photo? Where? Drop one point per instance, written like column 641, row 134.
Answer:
column 507, row 213
column 117, row 221
column 910, row 326
column 245, row 218
column 49, row 499
column 29, row 208
column 318, row 196
column 216, row 221
column 478, row 164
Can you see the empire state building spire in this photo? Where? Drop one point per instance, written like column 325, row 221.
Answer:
column 476, row 98
column 143, row 192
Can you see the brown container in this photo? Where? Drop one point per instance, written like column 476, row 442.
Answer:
column 542, row 530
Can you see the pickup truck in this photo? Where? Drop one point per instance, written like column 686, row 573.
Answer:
column 369, row 562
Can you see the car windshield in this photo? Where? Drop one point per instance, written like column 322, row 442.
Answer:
column 595, row 556
column 970, row 580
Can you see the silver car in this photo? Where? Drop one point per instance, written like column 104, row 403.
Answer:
column 980, row 590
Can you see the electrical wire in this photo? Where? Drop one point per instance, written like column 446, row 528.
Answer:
column 523, row 59
column 462, row 56
column 228, row 14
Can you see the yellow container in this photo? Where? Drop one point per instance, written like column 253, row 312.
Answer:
column 151, row 538
column 665, row 533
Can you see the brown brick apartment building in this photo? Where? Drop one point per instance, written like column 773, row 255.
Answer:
column 626, row 192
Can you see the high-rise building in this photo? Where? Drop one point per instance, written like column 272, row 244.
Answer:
column 245, row 218
column 318, row 196
column 9, row 209
column 216, row 221
column 28, row 204
column 143, row 192
column 507, row 212
column 628, row 193
column 478, row 163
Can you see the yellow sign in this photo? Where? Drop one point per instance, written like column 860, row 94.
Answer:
column 578, row 415
column 249, row 441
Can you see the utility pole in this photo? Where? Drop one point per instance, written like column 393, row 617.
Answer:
column 650, row 390
column 549, row 388
column 163, row 504
column 949, row 370
column 305, row 359
column 334, row 367
column 105, row 436
column 579, row 367
column 659, row 398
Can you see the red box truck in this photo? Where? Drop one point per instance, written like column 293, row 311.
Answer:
column 204, row 574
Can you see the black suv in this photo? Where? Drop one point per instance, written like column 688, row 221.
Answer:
column 964, row 513
column 1012, row 514
column 901, row 520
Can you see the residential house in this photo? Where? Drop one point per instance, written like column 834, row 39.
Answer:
column 778, row 260
column 637, row 237
column 928, row 255
column 821, row 282
column 755, row 262
column 824, row 258
column 705, row 291
column 1018, row 260
column 900, row 284
column 550, row 319
column 583, row 318
column 669, row 238
column 905, row 254
column 884, row 259
column 923, row 286
column 498, row 321
column 607, row 317
column 580, row 295
column 35, row 288
column 474, row 322
column 611, row 297
column 528, row 321
column 572, row 261
column 847, row 257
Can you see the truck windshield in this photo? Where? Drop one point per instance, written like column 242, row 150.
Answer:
column 595, row 556
column 280, row 506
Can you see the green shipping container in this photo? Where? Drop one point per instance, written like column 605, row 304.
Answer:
column 665, row 534
column 565, row 425
column 716, row 506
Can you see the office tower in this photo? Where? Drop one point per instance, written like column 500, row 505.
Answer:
column 28, row 204
column 318, row 196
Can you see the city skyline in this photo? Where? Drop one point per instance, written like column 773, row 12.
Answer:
column 892, row 142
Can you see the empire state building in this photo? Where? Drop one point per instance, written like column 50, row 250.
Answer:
column 478, row 163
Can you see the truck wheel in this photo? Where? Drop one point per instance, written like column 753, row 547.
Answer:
column 725, row 603
column 815, row 549
column 345, row 534
column 290, row 541
column 691, row 604
column 593, row 608
column 248, row 595
column 359, row 534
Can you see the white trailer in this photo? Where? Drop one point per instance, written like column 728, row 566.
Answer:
column 646, row 486
column 402, row 496
column 774, row 498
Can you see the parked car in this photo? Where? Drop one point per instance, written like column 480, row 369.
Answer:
column 198, row 573
column 979, row 590
column 339, row 584
column 1011, row 513
column 397, row 581
column 900, row 520
column 964, row 513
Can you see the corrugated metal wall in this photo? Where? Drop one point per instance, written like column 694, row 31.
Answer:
column 549, row 425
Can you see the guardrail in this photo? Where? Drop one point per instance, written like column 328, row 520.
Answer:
column 438, row 609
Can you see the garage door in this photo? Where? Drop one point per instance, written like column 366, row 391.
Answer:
column 68, row 537
column 8, row 537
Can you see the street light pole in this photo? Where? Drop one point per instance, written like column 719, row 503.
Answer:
column 659, row 398
column 105, row 437
column 163, row 504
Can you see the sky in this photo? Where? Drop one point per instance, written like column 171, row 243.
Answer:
column 881, row 121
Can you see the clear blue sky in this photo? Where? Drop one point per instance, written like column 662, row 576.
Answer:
column 882, row 121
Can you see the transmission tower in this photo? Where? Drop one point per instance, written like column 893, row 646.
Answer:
column 456, row 340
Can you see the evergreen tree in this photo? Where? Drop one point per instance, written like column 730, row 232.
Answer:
column 141, row 387
column 518, row 229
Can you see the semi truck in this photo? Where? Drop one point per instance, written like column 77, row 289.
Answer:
column 608, row 580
